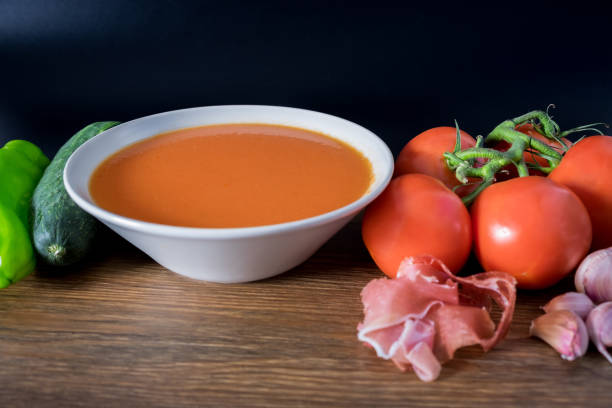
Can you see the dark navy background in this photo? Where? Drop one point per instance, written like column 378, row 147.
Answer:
column 396, row 70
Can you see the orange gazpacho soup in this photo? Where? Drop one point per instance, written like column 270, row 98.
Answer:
column 231, row 175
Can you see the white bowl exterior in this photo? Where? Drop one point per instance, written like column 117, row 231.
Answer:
column 234, row 260
column 227, row 254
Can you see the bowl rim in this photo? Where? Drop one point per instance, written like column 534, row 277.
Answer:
column 230, row 232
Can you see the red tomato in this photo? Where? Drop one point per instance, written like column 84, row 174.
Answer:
column 587, row 170
column 531, row 227
column 417, row 215
column 423, row 154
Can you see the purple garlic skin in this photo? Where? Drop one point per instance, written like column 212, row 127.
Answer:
column 578, row 303
column 564, row 331
column 599, row 325
column 594, row 276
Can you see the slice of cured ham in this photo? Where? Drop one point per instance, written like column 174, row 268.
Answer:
column 419, row 319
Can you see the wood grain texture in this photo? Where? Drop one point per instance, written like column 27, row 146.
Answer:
column 123, row 331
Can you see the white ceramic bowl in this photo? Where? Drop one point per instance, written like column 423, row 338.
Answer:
column 227, row 254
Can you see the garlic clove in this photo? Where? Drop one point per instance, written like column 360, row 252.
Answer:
column 599, row 325
column 564, row 331
column 578, row 303
column 594, row 276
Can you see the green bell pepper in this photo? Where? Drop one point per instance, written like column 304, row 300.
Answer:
column 21, row 167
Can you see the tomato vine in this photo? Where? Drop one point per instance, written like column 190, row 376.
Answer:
column 484, row 163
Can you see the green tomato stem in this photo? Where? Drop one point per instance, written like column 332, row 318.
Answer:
column 484, row 163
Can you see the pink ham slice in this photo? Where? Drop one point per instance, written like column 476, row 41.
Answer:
column 419, row 319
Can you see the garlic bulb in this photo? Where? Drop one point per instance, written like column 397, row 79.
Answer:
column 578, row 303
column 594, row 276
column 564, row 331
column 599, row 325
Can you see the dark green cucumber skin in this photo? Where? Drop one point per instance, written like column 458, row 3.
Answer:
column 62, row 233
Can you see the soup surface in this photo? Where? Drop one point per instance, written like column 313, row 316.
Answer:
column 234, row 175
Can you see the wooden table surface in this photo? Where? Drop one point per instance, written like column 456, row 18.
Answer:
column 123, row 331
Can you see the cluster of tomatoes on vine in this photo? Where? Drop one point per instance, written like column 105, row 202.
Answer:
column 525, row 199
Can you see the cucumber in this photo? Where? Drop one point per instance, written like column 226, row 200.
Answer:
column 62, row 233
